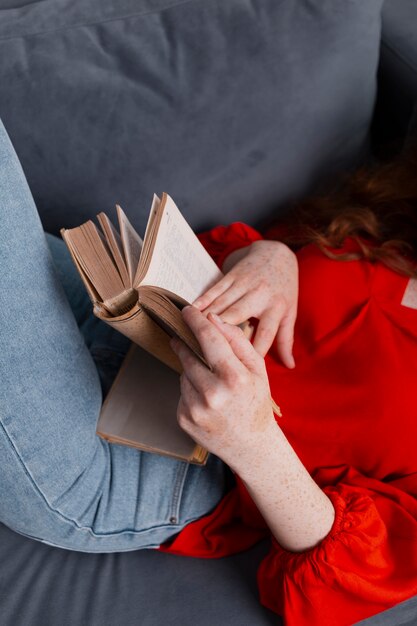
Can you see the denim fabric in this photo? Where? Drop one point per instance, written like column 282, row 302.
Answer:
column 59, row 482
column 106, row 346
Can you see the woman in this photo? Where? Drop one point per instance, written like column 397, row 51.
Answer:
column 333, row 481
column 348, row 550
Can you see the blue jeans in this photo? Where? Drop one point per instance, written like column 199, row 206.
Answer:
column 59, row 482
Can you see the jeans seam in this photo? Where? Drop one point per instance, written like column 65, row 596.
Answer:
column 73, row 522
column 32, row 480
column 178, row 490
column 100, row 550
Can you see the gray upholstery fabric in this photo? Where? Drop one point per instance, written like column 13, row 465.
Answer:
column 399, row 40
column 44, row 586
column 232, row 107
column 404, row 614
column 398, row 68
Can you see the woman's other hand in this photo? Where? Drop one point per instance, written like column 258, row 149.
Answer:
column 261, row 282
column 226, row 410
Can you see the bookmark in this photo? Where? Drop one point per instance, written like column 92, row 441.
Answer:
column 276, row 408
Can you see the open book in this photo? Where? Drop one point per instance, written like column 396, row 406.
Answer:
column 139, row 287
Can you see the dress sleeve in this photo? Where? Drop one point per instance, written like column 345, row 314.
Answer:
column 223, row 240
column 366, row 564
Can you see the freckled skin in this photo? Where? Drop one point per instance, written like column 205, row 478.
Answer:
column 261, row 281
column 228, row 410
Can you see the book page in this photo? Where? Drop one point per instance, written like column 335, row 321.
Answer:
column 152, row 214
column 95, row 259
column 92, row 292
column 148, row 235
column 179, row 261
column 132, row 243
column 114, row 242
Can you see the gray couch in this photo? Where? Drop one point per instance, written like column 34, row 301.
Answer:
column 236, row 108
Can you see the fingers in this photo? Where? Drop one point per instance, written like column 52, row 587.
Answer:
column 197, row 373
column 214, row 292
column 266, row 331
column 285, row 340
column 225, row 355
column 214, row 345
column 240, row 345
column 239, row 311
column 232, row 295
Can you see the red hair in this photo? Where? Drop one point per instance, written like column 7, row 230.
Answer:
column 376, row 206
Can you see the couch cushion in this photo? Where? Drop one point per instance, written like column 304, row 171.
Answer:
column 45, row 586
column 399, row 40
column 232, row 107
column 398, row 70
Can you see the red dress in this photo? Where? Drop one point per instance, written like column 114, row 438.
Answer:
column 350, row 413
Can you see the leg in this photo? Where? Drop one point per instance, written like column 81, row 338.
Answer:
column 106, row 346
column 60, row 483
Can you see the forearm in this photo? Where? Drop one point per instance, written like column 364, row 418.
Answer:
column 296, row 510
column 228, row 410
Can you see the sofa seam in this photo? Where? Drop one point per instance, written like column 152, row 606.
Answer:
column 96, row 23
column 395, row 52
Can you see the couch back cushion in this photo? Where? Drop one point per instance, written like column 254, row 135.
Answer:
column 397, row 84
column 233, row 107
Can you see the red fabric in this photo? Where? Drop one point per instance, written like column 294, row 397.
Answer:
column 350, row 412
column 223, row 240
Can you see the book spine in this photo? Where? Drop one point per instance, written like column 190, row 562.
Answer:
column 142, row 330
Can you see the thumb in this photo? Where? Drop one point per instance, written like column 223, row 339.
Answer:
column 240, row 345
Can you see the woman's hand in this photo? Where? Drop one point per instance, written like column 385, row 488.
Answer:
column 263, row 283
column 226, row 410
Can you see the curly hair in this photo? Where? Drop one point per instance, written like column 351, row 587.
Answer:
column 375, row 206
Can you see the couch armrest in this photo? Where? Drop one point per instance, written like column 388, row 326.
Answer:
column 397, row 75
